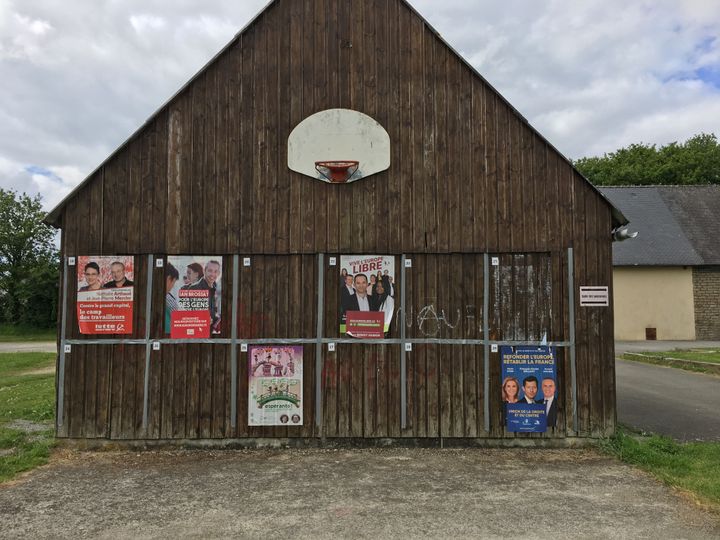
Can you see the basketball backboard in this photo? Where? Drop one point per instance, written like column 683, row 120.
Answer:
column 338, row 146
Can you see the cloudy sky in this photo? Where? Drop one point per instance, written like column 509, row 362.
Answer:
column 77, row 78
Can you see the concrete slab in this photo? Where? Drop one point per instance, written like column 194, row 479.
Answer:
column 372, row 493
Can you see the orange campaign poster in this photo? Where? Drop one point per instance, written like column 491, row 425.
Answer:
column 105, row 294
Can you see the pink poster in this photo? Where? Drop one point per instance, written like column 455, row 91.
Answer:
column 275, row 386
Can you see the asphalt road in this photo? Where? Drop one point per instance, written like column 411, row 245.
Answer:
column 28, row 346
column 670, row 401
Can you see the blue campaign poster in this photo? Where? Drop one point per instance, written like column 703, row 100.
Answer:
column 525, row 417
column 529, row 388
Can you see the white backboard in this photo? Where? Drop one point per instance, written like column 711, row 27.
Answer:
column 339, row 135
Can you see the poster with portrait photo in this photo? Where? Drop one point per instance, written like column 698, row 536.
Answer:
column 275, row 385
column 193, row 289
column 529, row 388
column 368, row 292
column 105, row 294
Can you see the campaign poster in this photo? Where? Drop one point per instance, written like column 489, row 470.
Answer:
column 105, row 294
column 275, row 386
column 193, row 288
column 368, row 288
column 529, row 388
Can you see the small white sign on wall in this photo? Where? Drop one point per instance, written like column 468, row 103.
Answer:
column 594, row 296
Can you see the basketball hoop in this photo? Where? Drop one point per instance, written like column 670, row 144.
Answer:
column 337, row 172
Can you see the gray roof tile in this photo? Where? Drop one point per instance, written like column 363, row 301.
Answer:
column 677, row 225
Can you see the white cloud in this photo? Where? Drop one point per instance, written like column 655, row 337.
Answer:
column 28, row 38
column 145, row 23
column 594, row 75
column 78, row 78
column 56, row 185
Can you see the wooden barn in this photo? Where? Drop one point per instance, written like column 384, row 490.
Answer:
column 337, row 230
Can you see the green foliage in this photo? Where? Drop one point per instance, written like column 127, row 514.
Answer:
column 23, row 395
column 19, row 332
column 26, row 399
column 26, row 451
column 689, row 466
column 38, row 293
column 697, row 355
column 698, row 360
column 12, row 364
column 29, row 264
column 697, row 161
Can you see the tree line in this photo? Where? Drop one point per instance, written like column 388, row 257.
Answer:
column 696, row 161
column 29, row 263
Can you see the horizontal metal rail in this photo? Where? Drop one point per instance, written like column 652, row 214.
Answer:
column 282, row 341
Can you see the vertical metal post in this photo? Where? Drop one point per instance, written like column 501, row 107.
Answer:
column 318, row 340
column 61, row 366
column 233, row 342
column 571, row 305
column 403, row 354
column 486, row 338
column 148, row 344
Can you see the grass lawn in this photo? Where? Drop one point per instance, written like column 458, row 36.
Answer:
column 698, row 355
column 693, row 467
column 9, row 333
column 27, row 403
column 667, row 358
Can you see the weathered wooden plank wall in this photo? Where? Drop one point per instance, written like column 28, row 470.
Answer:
column 207, row 175
column 189, row 384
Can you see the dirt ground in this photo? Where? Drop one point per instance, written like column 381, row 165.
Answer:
column 370, row 493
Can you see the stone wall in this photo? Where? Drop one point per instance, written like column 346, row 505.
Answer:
column 706, row 289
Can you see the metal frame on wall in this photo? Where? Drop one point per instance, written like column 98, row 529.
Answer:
column 319, row 340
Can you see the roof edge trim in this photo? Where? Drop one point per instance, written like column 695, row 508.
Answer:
column 52, row 217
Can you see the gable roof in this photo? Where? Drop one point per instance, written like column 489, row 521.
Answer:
column 53, row 217
column 677, row 225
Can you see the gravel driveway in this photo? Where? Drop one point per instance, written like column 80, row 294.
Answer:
column 372, row 493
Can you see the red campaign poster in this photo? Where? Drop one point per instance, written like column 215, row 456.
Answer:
column 365, row 324
column 193, row 294
column 192, row 318
column 105, row 295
